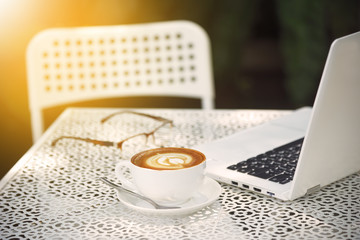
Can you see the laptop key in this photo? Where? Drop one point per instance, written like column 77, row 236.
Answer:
column 243, row 167
column 265, row 173
column 282, row 178
column 232, row 167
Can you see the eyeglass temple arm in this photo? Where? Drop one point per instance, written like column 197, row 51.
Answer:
column 97, row 142
column 139, row 114
column 103, row 143
column 108, row 143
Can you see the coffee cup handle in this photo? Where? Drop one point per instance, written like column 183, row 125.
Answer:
column 120, row 175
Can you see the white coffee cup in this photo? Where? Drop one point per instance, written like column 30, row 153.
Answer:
column 166, row 175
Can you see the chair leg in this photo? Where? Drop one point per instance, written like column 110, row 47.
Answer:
column 37, row 125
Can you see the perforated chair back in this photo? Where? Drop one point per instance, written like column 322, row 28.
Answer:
column 79, row 64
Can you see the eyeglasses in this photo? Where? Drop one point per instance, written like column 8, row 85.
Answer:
column 120, row 144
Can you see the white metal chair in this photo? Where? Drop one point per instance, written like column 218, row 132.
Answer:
column 155, row 59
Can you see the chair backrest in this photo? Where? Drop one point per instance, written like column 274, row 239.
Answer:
column 68, row 65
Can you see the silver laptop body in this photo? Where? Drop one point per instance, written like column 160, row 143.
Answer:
column 331, row 147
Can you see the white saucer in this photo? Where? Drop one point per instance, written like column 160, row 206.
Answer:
column 208, row 193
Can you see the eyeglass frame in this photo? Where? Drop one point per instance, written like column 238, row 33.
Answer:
column 119, row 144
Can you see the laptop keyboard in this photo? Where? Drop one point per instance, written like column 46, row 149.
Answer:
column 277, row 165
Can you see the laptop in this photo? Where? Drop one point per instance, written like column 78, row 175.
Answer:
column 311, row 147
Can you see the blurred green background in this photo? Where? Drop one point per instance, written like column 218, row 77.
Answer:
column 266, row 54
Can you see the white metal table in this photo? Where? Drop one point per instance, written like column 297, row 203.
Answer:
column 53, row 192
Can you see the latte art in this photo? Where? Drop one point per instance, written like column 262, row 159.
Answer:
column 168, row 158
column 169, row 161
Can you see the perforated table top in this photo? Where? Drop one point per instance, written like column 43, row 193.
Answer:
column 54, row 192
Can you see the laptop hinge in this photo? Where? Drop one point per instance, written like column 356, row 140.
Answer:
column 313, row 189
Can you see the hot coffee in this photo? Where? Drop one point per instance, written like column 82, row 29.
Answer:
column 168, row 158
column 154, row 174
